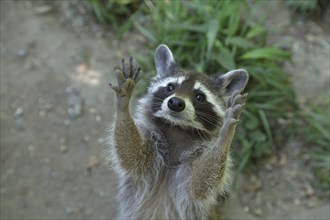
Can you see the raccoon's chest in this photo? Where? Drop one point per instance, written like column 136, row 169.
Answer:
column 149, row 201
column 177, row 147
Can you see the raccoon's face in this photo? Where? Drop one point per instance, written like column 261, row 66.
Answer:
column 189, row 99
column 186, row 101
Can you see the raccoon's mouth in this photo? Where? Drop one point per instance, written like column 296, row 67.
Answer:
column 175, row 115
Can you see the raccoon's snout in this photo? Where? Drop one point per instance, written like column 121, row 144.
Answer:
column 176, row 104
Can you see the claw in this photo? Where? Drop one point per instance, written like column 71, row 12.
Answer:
column 124, row 67
column 120, row 76
column 238, row 99
column 131, row 63
column 137, row 75
column 237, row 110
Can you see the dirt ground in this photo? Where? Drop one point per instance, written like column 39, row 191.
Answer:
column 56, row 106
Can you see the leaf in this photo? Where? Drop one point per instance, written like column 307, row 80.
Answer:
column 226, row 58
column 239, row 42
column 266, row 125
column 145, row 32
column 256, row 30
column 211, row 35
column 266, row 53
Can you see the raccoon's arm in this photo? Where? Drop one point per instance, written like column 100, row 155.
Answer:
column 132, row 151
column 210, row 169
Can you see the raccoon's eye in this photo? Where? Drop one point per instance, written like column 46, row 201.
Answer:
column 170, row 87
column 200, row 97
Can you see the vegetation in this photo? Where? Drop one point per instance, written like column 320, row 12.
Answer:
column 217, row 37
column 306, row 6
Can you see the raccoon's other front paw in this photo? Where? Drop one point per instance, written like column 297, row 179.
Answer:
column 235, row 105
column 127, row 76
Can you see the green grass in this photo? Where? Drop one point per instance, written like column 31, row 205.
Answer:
column 218, row 36
column 315, row 131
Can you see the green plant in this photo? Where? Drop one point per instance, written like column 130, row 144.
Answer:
column 304, row 6
column 116, row 13
column 216, row 37
column 315, row 130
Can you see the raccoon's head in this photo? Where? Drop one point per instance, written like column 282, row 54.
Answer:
column 189, row 99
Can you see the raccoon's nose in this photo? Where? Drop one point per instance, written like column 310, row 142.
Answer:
column 176, row 104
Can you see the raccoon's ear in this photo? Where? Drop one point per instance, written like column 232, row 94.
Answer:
column 231, row 81
column 164, row 61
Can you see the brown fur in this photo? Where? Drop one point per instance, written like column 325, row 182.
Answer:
column 169, row 172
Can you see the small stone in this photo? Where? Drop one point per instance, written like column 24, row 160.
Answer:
column 74, row 103
column 92, row 110
column 246, row 209
column 254, row 186
column 63, row 149
column 309, row 190
column 93, row 162
column 68, row 210
column 98, row 118
column 21, row 53
column 101, row 194
column 258, row 212
column 30, row 147
column 42, row 114
column 67, row 123
column 19, row 112
column 297, row 201
column 86, row 138
column 100, row 140
column 44, row 9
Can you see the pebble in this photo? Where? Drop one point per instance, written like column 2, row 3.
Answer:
column 258, row 212
column 101, row 194
column 246, row 209
column 309, row 190
column 93, row 162
column 19, row 112
column 68, row 210
column 42, row 114
column 74, row 103
column 86, row 138
column 100, row 140
column 63, row 148
column 67, row 123
column 98, row 118
column 297, row 201
column 31, row 147
column 44, row 9
column 21, row 54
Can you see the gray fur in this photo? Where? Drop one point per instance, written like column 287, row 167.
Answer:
column 168, row 169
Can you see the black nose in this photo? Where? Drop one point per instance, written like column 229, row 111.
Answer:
column 176, row 104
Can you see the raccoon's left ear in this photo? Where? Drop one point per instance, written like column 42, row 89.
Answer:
column 164, row 61
column 231, row 81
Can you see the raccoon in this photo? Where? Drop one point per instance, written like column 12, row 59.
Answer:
column 172, row 157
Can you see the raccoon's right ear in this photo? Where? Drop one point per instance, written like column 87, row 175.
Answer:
column 164, row 61
column 231, row 81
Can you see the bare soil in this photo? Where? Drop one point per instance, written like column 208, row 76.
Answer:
column 56, row 105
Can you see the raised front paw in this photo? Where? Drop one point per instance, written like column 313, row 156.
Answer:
column 235, row 105
column 127, row 76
